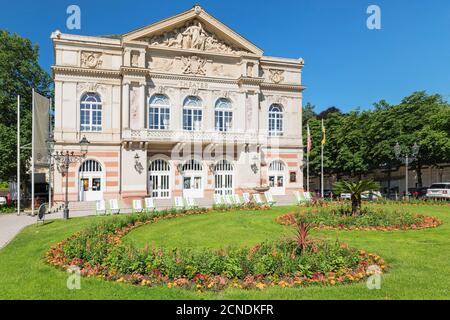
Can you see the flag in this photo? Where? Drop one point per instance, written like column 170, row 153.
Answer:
column 40, row 129
column 324, row 135
column 309, row 143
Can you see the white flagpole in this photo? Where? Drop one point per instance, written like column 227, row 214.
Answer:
column 307, row 158
column 50, row 134
column 18, row 156
column 32, row 154
column 321, row 169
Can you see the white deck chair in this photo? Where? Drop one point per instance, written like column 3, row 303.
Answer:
column 308, row 197
column 190, row 203
column 246, row 197
column 228, row 199
column 137, row 206
column 114, row 206
column 258, row 199
column 100, row 207
column 179, row 203
column 269, row 198
column 149, row 205
column 218, row 201
column 299, row 197
column 237, row 199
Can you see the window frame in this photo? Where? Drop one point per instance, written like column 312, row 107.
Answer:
column 159, row 112
column 192, row 112
column 276, row 120
column 91, row 112
column 223, row 111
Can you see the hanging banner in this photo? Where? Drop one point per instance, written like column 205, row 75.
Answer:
column 40, row 129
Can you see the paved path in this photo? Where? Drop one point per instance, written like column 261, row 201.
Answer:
column 12, row 224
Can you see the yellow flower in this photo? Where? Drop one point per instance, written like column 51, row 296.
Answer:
column 260, row 285
column 332, row 282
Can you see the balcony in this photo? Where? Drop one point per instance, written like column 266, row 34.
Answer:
column 147, row 135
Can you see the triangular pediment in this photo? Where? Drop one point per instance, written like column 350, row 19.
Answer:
column 194, row 30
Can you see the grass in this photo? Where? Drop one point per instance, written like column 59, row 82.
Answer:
column 418, row 260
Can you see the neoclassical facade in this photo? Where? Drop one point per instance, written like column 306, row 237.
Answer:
column 184, row 106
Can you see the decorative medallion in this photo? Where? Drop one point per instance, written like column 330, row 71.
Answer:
column 276, row 76
column 194, row 65
column 91, row 59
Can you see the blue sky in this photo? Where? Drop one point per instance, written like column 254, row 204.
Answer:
column 347, row 65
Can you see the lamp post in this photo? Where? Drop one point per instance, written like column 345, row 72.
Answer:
column 64, row 159
column 406, row 157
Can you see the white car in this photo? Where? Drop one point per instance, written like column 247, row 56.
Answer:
column 346, row 196
column 439, row 190
column 3, row 201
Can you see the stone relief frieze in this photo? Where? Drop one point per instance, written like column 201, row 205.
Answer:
column 193, row 36
column 91, row 60
column 164, row 65
column 194, row 65
column 90, row 87
column 276, row 76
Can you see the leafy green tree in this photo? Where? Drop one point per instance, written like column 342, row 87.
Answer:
column 19, row 73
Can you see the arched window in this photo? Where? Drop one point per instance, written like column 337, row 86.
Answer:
column 223, row 177
column 275, row 120
column 90, row 166
column 91, row 112
column 192, row 165
column 192, row 113
column 277, row 179
column 91, row 180
column 223, row 115
column 159, row 178
column 159, row 112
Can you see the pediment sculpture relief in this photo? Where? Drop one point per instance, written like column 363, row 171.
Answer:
column 194, row 65
column 193, row 36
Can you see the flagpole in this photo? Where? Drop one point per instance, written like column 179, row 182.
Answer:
column 321, row 168
column 307, row 159
column 32, row 154
column 18, row 157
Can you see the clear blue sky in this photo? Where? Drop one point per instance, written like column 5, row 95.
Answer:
column 347, row 65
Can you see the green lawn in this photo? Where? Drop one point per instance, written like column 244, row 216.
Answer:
column 418, row 260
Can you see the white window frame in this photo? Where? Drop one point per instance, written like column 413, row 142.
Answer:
column 91, row 105
column 158, row 109
column 276, row 125
column 193, row 109
column 223, row 115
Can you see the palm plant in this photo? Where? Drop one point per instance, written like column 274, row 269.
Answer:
column 356, row 189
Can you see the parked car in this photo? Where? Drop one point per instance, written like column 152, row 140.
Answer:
column 345, row 196
column 418, row 193
column 371, row 195
column 439, row 191
column 3, row 201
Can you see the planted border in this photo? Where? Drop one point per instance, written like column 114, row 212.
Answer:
column 99, row 252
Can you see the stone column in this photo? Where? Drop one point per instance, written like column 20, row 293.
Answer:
column 142, row 105
column 126, row 105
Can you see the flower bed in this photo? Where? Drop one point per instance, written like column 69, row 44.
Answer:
column 99, row 252
column 369, row 219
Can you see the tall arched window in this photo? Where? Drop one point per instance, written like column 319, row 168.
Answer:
column 275, row 120
column 159, row 178
column 159, row 112
column 223, row 115
column 192, row 113
column 91, row 112
column 277, row 177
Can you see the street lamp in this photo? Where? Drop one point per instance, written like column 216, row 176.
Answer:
column 65, row 159
column 406, row 158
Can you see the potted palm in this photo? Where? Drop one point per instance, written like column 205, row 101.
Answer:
column 355, row 189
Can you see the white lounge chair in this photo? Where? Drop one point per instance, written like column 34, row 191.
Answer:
column 149, row 205
column 179, row 203
column 237, row 199
column 246, row 197
column 100, row 207
column 114, row 206
column 228, row 199
column 308, row 196
column 190, row 203
column 137, row 206
column 269, row 198
column 218, row 201
column 258, row 199
column 299, row 197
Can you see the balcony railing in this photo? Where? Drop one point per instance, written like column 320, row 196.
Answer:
column 184, row 136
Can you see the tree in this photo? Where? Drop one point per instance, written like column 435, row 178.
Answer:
column 19, row 73
column 356, row 189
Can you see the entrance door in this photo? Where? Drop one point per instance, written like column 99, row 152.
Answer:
column 277, row 177
column 90, row 181
column 193, row 179
column 159, row 179
column 223, row 178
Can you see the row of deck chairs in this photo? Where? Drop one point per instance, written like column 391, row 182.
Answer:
column 190, row 203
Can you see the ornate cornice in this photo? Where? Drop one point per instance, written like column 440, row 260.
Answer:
column 183, row 77
column 100, row 73
column 282, row 87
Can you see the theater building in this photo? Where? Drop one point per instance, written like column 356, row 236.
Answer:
column 184, row 106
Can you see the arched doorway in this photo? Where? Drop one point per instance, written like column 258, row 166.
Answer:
column 159, row 179
column 193, row 179
column 223, row 178
column 277, row 177
column 91, row 181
